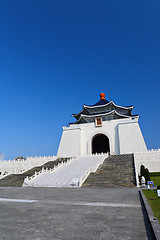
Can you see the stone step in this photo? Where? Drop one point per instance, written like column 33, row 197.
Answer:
column 115, row 171
column 98, row 179
column 110, row 185
column 16, row 180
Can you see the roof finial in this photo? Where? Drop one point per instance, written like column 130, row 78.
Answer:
column 102, row 96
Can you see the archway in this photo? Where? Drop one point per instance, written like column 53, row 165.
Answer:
column 100, row 144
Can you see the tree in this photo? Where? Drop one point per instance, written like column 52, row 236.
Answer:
column 20, row 158
column 144, row 172
column 147, row 176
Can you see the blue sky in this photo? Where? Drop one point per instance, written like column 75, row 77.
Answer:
column 56, row 56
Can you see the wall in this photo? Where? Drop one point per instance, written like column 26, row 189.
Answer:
column 150, row 159
column 70, row 142
column 130, row 138
column 124, row 136
column 12, row 166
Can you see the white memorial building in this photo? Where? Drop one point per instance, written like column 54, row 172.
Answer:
column 103, row 147
column 101, row 128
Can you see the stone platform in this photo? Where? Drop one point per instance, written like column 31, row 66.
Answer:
column 67, row 214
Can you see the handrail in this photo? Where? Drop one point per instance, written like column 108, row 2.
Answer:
column 44, row 170
column 4, row 175
column 19, row 167
column 82, row 179
column 91, row 169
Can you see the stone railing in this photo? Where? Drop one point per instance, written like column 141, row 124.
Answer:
column 153, row 150
column 149, row 156
column 4, row 175
column 19, row 166
column 44, row 170
column 92, row 169
column 150, row 159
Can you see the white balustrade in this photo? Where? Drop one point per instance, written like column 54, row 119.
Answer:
column 20, row 166
column 150, row 159
column 92, row 169
column 45, row 170
column 66, row 175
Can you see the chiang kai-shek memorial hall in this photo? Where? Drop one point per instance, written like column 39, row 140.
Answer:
column 101, row 128
column 103, row 147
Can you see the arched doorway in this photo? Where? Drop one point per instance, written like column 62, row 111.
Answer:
column 100, row 144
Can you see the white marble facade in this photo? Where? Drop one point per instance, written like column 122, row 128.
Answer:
column 124, row 137
column 117, row 125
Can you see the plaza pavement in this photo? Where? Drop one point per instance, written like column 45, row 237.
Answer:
column 71, row 214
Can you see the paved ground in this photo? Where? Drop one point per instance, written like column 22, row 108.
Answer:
column 71, row 214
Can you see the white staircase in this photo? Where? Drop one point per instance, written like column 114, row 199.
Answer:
column 72, row 174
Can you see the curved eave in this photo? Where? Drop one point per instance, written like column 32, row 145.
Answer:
column 98, row 106
column 111, row 102
column 76, row 114
column 104, row 114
